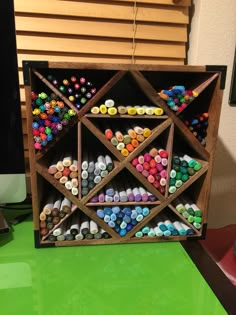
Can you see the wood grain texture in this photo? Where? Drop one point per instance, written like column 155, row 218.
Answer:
column 199, row 182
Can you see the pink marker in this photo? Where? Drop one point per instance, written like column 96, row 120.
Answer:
column 151, row 179
column 159, row 167
column 164, row 162
column 139, row 168
column 163, row 173
column 135, row 162
column 145, row 173
column 147, row 157
column 141, row 159
column 157, row 158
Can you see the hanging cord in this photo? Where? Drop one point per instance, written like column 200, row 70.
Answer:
column 135, row 9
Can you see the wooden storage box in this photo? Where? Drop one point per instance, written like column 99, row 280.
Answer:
column 126, row 85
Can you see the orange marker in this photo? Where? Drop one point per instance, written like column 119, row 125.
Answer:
column 140, row 138
column 108, row 134
column 129, row 147
column 119, row 136
column 153, row 152
column 132, row 134
column 134, row 143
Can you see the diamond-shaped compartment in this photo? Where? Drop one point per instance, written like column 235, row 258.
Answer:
column 166, row 225
column 187, row 165
column 151, row 165
column 123, row 189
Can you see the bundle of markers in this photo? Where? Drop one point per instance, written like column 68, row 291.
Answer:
column 109, row 108
column 127, row 139
column 76, row 88
column 183, row 167
column 56, row 208
column 93, row 171
column 122, row 219
column 189, row 211
column 113, row 193
column 50, row 115
column 78, row 227
column 198, row 126
column 65, row 170
column 178, row 98
column 152, row 165
column 165, row 226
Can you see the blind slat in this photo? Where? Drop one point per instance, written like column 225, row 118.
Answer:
column 151, row 49
column 101, row 28
column 186, row 3
column 105, row 11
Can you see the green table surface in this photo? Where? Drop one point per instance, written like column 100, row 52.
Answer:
column 155, row 278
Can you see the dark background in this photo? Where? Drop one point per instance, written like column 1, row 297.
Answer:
column 11, row 143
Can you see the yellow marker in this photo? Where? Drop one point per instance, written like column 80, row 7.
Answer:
column 53, row 103
column 112, row 111
column 36, row 111
column 132, row 111
column 195, row 93
column 146, row 132
column 124, row 152
column 149, row 111
column 95, row 110
column 71, row 98
column 103, row 109
column 140, row 111
column 158, row 111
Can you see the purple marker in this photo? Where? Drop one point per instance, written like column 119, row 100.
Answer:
column 137, row 195
column 110, row 191
column 101, row 197
column 143, row 194
column 130, row 194
column 94, row 199
column 116, row 197
column 151, row 197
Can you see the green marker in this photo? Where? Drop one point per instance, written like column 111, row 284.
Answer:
column 172, row 189
column 191, row 162
column 198, row 212
column 178, row 183
column 172, row 173
column 197, row 166
column 178, row 176
column 184, row 177
column 197, row 225
column 139, row 234
column 151, row 233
